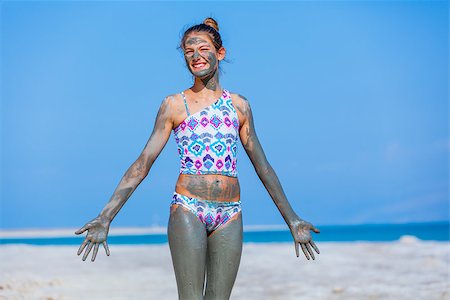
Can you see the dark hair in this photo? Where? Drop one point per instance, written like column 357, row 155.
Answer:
column 208, row 26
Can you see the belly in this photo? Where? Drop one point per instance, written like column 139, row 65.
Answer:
column 209, row 187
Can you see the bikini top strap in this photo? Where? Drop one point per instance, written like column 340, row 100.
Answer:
column 185, row 103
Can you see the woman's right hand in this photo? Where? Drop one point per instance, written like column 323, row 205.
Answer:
column 97, row 234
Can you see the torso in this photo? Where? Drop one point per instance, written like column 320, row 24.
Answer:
column 212, row 187
column 209, row 187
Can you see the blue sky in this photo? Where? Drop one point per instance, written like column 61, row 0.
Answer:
column 350, row 101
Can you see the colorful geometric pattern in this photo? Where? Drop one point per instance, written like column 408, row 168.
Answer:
column 212, row 214
column 207, row 139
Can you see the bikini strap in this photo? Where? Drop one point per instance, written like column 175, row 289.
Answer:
column 185, row 103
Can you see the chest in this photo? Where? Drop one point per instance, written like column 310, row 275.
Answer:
column 219, row 118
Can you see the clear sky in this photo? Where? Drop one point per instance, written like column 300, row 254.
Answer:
column 350, row 101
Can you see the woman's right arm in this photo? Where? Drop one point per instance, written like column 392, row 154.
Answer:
column 98, row 227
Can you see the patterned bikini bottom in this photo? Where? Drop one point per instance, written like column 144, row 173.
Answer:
column 213, row 214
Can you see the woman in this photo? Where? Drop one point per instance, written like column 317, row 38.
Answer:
column 205, row 225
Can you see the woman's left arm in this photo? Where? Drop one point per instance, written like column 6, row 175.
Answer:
column 300, row 229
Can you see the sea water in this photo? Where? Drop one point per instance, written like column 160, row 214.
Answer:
column 436, row 231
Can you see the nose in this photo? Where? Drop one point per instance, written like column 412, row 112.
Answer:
column 196, row 54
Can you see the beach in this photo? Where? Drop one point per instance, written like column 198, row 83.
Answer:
column 404, row 269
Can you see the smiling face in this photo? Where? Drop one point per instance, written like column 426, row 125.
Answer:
column 201, row 56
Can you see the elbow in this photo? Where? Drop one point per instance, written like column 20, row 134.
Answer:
column 263, row 170
column 141, row 176
column 143, row 172
column 138, row 170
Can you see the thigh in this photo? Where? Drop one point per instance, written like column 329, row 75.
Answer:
column 187, row 242
column 223, row 258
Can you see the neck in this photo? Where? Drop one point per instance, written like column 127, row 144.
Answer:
column 209, row 83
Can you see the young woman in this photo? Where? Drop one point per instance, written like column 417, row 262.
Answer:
column 205, row 225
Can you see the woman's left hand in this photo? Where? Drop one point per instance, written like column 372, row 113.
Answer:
column 300, row 231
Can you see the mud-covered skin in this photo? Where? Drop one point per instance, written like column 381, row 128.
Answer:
column 299, row 228
column 98, row 227
column 194, row 255
column 170, row 114
column 209, row 187
column 223, row 259
column 98, row 231
column 199, row 49
column 187, row 242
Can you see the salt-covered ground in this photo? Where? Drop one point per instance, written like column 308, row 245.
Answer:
column 406, row 269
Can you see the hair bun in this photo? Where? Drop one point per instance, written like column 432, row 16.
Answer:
column 211, row 22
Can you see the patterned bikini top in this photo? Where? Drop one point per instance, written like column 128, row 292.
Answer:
column 207, row 139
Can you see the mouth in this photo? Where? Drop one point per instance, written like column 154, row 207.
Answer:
column 198, row 65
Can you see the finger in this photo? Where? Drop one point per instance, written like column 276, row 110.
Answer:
column 86, row 253
column 314, row 246
column 315, row 229
column 105, row 245
column 296, row 249
column 83, row 245
column 94, row 253
column 81, row 230
column 305, row 251
column 310, row 251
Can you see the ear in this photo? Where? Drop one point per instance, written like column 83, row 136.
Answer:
column 221, row 53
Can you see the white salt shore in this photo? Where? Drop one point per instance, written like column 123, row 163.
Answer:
column 406, row 269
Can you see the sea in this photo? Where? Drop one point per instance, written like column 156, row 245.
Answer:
column 433, row 231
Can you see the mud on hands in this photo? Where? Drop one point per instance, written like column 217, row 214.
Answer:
column 98, row 227
column 299, row 228
column 97, row 233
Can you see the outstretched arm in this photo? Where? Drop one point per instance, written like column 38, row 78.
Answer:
column 98, row 227
column 300, row 229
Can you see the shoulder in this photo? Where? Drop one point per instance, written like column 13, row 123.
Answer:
column 170, row 106
column 174, row 107
column 173, row 102
column 240, row 102
column 239, row 98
